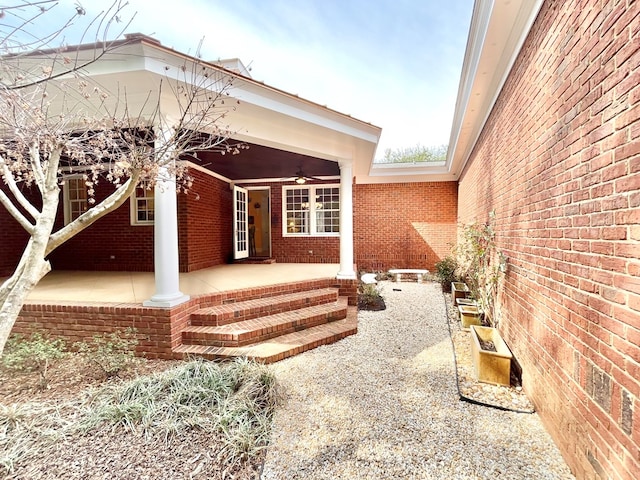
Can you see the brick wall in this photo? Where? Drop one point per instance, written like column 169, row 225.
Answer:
column 404, row 225
column 13, row 239
column 110, row 244
column 559, row 162
column 205, row 227
column 296, row 249
column 158, row 330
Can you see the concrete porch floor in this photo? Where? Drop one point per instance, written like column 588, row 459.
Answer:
column 136, row 287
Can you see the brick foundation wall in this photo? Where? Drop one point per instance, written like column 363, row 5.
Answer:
column 404, row 225
column 559, row 162
column 158, row 330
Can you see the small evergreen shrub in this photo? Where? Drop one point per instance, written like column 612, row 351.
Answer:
column 369, row 297
column 34, row 354
column 446, row 272
column 111, row 352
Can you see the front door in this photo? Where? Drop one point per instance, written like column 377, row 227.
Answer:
column 240, row 223
column 259, row 222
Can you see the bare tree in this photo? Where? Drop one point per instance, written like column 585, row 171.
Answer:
column 55, row 120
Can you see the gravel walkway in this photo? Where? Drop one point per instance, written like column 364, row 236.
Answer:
column 383, row 404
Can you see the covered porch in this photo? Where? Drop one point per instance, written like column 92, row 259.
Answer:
column 263, row 311
column 88, row 287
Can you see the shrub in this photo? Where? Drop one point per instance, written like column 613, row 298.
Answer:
column 446, row 272
column 482, row 265
column 33, row 355
column 236, row 400
column 369, row 297
column 110, row 352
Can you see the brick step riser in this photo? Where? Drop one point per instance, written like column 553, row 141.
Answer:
column 226, row 318
column 290, row 353
column 218, row 340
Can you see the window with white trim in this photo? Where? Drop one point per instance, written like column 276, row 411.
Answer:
column 312, row 210
column 75, row 197
column 142, row 205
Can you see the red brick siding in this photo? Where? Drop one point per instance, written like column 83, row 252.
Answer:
column 296, row 249
column 404, row 225
column 205, row 223
column 110, row 244
column 559, row 162
column 13, row 239
column 92, row 249
column 158, row 330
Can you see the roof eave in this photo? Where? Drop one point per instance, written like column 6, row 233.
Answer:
column 498, row 31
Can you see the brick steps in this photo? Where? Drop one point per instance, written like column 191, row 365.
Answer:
column 263, row 328
column 276, row 325
column 239, row 311
column 278, row 348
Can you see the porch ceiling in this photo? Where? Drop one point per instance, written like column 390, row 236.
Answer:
column 259, row 161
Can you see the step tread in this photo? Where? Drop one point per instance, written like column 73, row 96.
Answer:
column 247, row 309
column 283, row 346
column 233, row 331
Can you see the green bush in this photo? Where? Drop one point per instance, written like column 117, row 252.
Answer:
column 34, row 354
column 446, row 272
column 111, row 352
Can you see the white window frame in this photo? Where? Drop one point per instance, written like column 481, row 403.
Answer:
column 311, row 210
column 133, row 203
column 68, row 210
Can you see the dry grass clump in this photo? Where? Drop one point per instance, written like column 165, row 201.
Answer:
column 230, row 403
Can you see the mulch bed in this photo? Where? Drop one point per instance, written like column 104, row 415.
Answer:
column 108, row 453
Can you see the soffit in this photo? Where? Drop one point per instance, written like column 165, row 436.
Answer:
column 497, row 33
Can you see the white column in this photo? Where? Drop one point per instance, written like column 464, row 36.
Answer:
column 346, row 221
column 165, row 241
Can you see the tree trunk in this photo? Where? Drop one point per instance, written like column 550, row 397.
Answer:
column 34, row 268
column 33, row 264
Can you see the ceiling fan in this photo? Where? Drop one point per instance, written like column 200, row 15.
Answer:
column 300, row 177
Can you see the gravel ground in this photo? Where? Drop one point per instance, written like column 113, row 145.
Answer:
column 383, row 404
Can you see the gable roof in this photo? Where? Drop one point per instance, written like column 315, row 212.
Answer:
column 264, row 116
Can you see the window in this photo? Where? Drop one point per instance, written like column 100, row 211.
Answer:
column 142, row 205
column 75, row 197
column 311, row 210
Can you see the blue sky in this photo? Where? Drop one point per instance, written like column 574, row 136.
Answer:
column 394, row 63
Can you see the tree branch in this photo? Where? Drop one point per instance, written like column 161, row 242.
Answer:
column 95, row 213
column 15, row 191
column 15, row 213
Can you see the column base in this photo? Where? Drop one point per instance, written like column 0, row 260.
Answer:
column 164, row 301
column 346, row 276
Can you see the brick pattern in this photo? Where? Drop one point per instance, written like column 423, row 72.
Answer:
column 404, row 225
column 308, row 249
column 283, row 346
column 205, row 229
column 245, row 310
column 395, row 226
column 262, row 328
column 160, row 330
column 559, row 162
column 110, row 244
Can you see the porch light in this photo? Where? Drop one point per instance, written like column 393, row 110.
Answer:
column 301, row 180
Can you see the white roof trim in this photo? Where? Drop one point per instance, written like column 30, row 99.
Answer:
column 498, row 31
